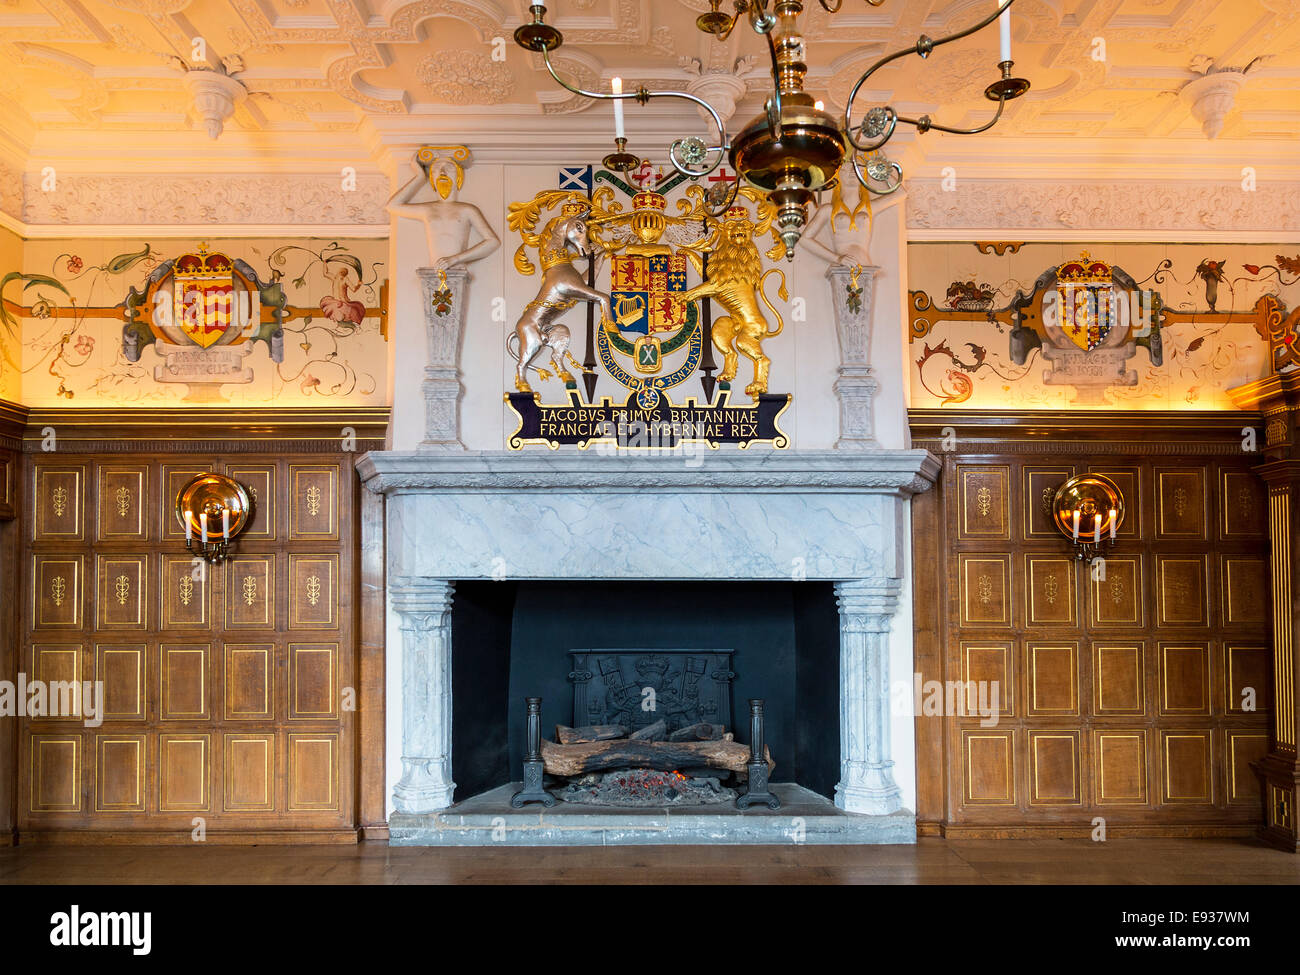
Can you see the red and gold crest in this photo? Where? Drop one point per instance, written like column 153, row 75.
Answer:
column 203, row 296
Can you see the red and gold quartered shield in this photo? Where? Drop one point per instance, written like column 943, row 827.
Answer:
column 204, row 296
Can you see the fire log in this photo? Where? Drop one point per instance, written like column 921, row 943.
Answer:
column 570, row 760
column 588, row 733
column 698, row 732
column 651, row 732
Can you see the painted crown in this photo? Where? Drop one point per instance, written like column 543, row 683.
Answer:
column 1084, row 271
column 574, row 208
column 203, row 264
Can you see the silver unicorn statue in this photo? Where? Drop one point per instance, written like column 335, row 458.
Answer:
column 562, row 240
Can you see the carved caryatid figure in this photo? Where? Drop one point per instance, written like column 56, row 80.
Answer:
column 839, row 217
column 448, row 223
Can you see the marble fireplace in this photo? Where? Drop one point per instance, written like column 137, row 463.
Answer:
column 829, row 516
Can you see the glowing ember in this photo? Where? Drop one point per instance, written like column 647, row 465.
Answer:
column 645, row 787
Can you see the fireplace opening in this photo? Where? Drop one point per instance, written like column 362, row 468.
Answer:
column 518, row 640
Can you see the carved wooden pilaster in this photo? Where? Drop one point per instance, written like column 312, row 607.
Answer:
column 866, row 766
column 1278, row 399
column 444, row 319
column 854, row 386
column 424, row 606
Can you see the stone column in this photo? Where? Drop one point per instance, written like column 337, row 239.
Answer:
column 444, row 320
column 866, row 776
column 1278, row 398
column 425, row 608
column 855, row 386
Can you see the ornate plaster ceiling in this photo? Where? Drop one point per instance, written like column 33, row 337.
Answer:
column 331, row 74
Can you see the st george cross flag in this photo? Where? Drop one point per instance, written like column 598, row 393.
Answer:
column 575, row 178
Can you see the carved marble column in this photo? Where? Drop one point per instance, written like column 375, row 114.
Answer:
column 866, row 776
column 855, row 387
column 444, row 318
column 425, row 608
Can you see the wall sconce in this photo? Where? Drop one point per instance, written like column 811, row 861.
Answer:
column 213, row 509
column 1088, row 510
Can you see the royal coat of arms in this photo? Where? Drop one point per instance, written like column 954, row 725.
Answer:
column 654, row 328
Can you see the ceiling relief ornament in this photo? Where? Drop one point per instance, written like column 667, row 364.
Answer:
column 461, row 77
column 216, row 95
column 1211, row 97
column 722, row 87
column 1014, row 205
column 652, row 330
column 231, row 199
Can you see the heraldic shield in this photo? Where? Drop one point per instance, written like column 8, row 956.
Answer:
column 1086, row 298
column 203, row 296
column 647, row 291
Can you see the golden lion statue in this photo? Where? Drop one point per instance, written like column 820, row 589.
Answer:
column 736, row 281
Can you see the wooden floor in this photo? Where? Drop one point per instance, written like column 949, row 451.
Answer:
column 1118, row 861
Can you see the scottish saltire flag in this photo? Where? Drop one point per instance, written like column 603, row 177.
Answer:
column 575, row 178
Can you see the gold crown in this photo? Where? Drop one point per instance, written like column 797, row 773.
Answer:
column 649, row 200
column 202, row 264
column 1084, row 271
column 574, row 208
column 736, row 212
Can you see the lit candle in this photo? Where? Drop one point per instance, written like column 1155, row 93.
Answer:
column 617, row 85
column 189, row 526
column 1004, row 32
column 203, row 526
column 1096, row 529
column 225, row 523
column 1113, row 523
column 1076, row 524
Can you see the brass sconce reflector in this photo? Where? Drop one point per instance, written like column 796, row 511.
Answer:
column 213, row 509
column 1088, row 510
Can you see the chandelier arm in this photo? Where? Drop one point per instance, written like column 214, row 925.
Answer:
column 890, row 187
column 922, row 47
column 886, row 134
column 643, row 96
column 924, row 124
column 685, row 170
column 832, row 10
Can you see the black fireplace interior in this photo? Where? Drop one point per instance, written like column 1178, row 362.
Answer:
column 512, row 640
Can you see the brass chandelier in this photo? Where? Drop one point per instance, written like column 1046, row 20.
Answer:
column 794, row 148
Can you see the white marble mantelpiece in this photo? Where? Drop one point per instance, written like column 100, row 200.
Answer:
column 833, row 515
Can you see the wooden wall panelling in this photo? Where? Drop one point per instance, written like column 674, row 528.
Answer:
column 225, row 699
column 12, row 568
column 1130, row 685
column 936, row 770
